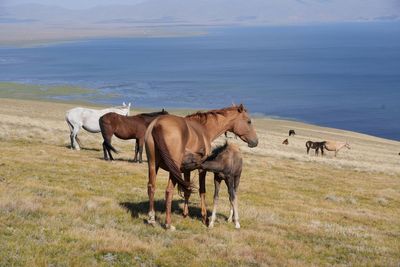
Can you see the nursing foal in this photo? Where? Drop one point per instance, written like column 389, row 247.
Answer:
column 226, row 164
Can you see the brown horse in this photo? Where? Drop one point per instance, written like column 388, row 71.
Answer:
column 126, row 127
column 170, row 138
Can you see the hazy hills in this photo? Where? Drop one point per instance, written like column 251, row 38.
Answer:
column 209, row 12
column 33, row 21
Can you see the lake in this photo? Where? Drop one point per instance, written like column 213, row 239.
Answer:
column 344, row 76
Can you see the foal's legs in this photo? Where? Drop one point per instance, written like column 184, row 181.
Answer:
column 168, row 203
column 202, row 191
column 217, row 186
column 233, row 199
column 186, row 176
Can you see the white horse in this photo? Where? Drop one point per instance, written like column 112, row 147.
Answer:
column 336, row 146
column 88, row 119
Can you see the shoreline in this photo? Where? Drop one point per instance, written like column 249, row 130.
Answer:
column 59, row 93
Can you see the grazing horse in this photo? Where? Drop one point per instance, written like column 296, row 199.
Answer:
column 170, row 138
column 315, row 145
column 336, row 146
column 285, row 142
column 126, row 127
column 292, row 132
column 226, row 164
column 88, row 119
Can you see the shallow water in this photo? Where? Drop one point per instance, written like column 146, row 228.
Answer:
column 344, row 76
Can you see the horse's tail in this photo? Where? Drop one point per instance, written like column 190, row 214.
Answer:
column 103, row 129
column 174, row 170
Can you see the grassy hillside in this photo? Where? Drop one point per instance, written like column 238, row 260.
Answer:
column 60, row 207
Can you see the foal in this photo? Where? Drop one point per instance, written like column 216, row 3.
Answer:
column 317, row 146
column 226, row 164
column 126, row 127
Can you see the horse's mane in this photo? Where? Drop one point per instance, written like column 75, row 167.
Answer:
column 221, row 148
column 203, row 116
column 154, row 114
column 218, row 150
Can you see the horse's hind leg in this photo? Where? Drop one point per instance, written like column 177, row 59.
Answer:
column 105, row 151
column 168, row 203
column 151, row 185
column 217, row 186
column 74, row 143
column 186, row 194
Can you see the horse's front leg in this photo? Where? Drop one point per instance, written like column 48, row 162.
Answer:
column 217, row 186
column 168, row 203
column 141, row 142
column 202, row 191
column 136, row 150
column 186, row 193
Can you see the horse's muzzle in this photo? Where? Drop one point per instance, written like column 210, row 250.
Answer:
column 252, row 143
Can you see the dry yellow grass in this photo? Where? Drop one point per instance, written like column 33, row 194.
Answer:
column 66, row 208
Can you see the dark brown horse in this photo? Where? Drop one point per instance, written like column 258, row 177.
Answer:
column 285, row 142
column 170, row 138
column 126, row 127
column 315, row 145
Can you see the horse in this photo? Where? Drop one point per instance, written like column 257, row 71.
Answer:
column 170, row 138
column 126, row 127
column 315, row 145
column 88, row 119
column 226, row 164
column 335, row 146
column 285, row 142
column 292, row 132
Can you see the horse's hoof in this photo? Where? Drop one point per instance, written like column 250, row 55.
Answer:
column 151, row 222
column 170, row 227
column 229, row 220
column 237, row 225
column 211, row 225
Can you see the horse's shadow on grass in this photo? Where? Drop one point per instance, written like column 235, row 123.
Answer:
column 142, row 208
column 83, row 148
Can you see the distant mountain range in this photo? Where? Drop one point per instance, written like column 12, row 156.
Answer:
column 207, row 12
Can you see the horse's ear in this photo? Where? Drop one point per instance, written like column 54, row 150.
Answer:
column 233, row 104
column 163, row 110
column 123, row 104
column 240, row 108
column 129, row 104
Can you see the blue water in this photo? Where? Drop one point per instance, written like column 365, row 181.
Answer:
column 344, row 76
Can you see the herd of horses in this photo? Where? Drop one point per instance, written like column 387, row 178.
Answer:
column 180, row 145
column 320, row 146
column 177, row 145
